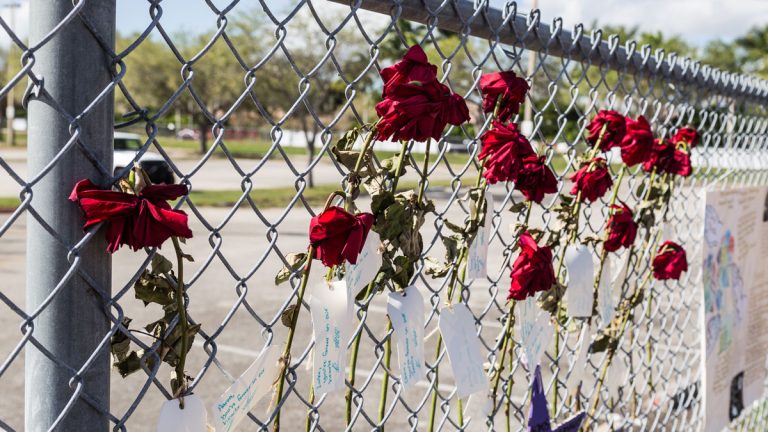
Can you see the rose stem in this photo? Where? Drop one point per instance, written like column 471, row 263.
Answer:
column 356, row 344
column 572, row 237
column 181, row 379
column 291, row 331
column 506, row 337
column 388, row 342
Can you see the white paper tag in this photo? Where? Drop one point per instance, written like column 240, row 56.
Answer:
column 464, row 350
column 605, row 305
column 406, row 311
column 579, row 363
column 581, row 279
column 192, row 418
column 255, row 383
column 477, row 261
column 331, row 322
column 618, row 281
column 359, row 275
column 536, row 332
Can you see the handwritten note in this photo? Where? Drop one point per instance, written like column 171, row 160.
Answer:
column 477, row 261
column 581, row 278
column 406, row 311
column 192, row 418
column 331, row 323
column 246, row 391
column 605, row 303
column 464, row 350
column 359, row 275
column 536, row 333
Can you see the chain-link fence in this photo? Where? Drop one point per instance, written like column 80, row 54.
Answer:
column 304, row 73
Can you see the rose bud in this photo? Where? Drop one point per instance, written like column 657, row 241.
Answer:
column 615, row 128
column 687, row 135
column 337, row 235
column 535, row 178
column 532, row 271
column 670, row 261
column 506, row 88
column 413, row 67
column 637, row 143
column 621, row 228
column 504, row 148
column 592, row 180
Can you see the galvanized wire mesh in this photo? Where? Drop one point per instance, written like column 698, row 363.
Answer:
column 239, row 249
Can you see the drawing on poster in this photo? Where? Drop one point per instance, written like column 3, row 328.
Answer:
column 724, row 296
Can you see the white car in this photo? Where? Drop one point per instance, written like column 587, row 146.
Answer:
column 126, row 147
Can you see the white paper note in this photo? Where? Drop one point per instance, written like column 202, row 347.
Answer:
column 578, row 365
column 581, row 279
column 331, row 322
column 477, row 261
column 359, row 275
column 536, row 333
column 464, row 350
column 246, row 391
column 192, row 418
column 618, row 281
column 406, row 311
column 605, row 305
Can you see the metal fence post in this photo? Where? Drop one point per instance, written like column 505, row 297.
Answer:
column 59, row 390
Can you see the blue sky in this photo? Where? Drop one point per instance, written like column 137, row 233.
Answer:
column 697, row 21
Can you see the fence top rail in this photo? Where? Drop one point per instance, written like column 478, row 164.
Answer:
column 477, row 18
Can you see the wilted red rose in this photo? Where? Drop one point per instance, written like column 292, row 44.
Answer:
column 687, row 135
column 532, row 271
column 637, row 142
column 507, row 86
column 665, row 158
column 419, row 111
column 615, row 128
column 670, row 261
column 413, row 67
column 338, row 235
column 593, row 179
column 504, row 148
column 143, row 220
column 535, row 178
column 621, row 227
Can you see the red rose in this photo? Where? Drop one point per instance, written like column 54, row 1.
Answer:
column 535, row 178
column 532, row 271
column 637, row 142
column 670, row 261
column 593, row 179
column 687, row 135
column 615, row 128
column 419, row 111
column 338, row 235
column 413, row 67
column 143, row 220
column 507, row 86
column 621, row 227
column 504, row 148
column 665, row 158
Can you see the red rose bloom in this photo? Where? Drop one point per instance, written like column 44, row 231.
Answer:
column 532, row 271
column 338, row 235
column 593, row 179
column 507, row 86
column 637, row 142
column 143, row 220
column 413, row 67
column 615, row 128
column 419, row 111
column 535, row 178
column 670, row 261
column 687, row 135
column 665, row 158
column 504, row 148
column 621, row 227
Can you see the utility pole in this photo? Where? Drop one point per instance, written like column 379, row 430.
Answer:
column 527, row 125
column 10, row 110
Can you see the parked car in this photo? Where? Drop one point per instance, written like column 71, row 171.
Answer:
column 126, row 147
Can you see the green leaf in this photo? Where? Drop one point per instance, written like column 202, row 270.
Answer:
column 453, row 227
column 435, row 268
column 161, row 264
column 295, row 262
column 518, row 207
column 128, row 365
column 347, row 158
column 381, row 201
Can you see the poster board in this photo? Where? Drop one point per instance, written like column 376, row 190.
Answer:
column 735, row 302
